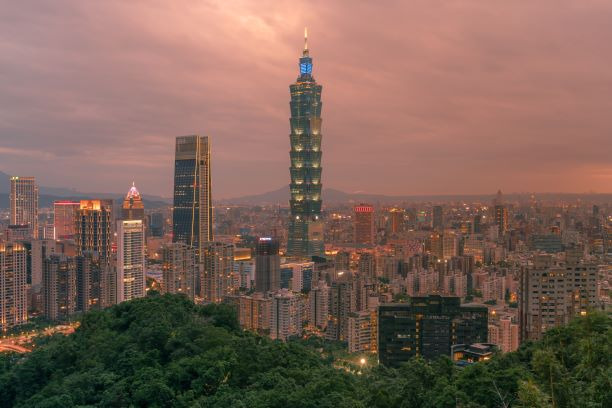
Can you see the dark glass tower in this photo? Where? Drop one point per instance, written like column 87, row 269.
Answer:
column 192, row 214
column 305, row 224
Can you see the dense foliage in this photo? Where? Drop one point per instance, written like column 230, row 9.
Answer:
column 166, row 351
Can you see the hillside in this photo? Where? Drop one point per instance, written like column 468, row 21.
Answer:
column 164, row 351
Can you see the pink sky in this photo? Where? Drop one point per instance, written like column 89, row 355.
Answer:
column 419, row 97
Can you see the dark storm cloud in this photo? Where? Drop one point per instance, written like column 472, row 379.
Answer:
column 419, row 96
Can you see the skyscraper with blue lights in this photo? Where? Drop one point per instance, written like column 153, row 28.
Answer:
column 305, row 224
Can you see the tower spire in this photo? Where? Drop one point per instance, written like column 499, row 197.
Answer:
column 305, row 40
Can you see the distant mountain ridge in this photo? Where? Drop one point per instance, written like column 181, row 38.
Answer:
column 333, row 196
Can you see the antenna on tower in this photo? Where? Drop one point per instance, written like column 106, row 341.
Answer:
column 305, row 40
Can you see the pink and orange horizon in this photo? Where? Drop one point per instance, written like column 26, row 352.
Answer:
column 453, row 98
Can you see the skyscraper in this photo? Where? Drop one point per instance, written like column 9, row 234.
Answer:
column 131, row 281
column 63, row 218
column 364, row 224
column 305, row 225
column 132, row 208
column 13, row 271
column 267, row 265
column 94, row 228
column 24, row 203
column 192, row 214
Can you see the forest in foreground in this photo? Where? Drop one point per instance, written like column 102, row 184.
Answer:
column 165, row 351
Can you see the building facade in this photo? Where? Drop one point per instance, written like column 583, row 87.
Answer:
column 133, row 207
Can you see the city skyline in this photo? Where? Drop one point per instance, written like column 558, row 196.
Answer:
column 468, row 99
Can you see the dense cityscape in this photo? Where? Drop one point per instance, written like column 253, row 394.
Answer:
column 382, row 281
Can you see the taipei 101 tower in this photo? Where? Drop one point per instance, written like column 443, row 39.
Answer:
column 305, row 224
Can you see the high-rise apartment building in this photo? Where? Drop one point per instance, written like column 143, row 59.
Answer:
column 59, row 287
column 501, row 219
column 364, row 224
column 64, row 213
column 286, row 316
column 94, row 230
column 267, row 265
column 318, row 298
column 13, row 287
column 24, row 203
column 552, row 292
column 305, row 224
column 218, row 260
column 133, row 207
column 342, row 302
column 131, row 279
column 90, row 281
column 192, row 215
column 363, row 331
column 342, row 261
column 428, row 327
column 179, row 269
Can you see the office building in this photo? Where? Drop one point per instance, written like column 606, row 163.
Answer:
column 437, row 217
column 131, row 279
column 133, row 207
column 13, row 286
column 59, row 287
column 428, row 327
column 364, row 225
column 218, row 260
column 396, row 220
column 94, row 229
column 64, row 216
column 179, row 269
column 552, row 292
column 267, row 265
column 192, row 214
column 286, row 316
column 23, row 199
column 305, row 224
column 156, row 224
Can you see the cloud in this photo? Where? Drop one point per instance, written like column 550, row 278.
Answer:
column 454, row 97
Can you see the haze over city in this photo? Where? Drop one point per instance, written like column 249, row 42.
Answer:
column 464, row 97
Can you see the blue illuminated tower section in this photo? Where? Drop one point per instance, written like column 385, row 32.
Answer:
column 305, row 224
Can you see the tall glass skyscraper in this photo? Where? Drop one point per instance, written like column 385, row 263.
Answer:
column 305, row 225
column 192, row 213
